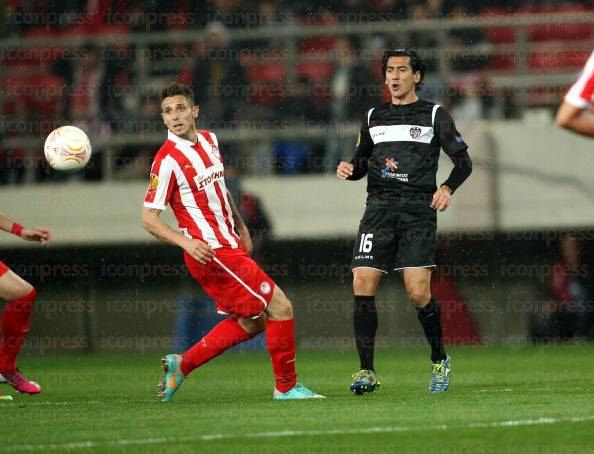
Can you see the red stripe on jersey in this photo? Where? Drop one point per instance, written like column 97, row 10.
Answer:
column 203, row 153
column 215, row 149
column 218, row 187
column 588, row 90
column 221, row 196
column 199, row 196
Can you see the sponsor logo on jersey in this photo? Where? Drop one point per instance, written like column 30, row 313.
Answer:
column 389, row 172
column 415, row 132
column 265, row 288
column 211, row 177
column 154, row 183
column 459, row 138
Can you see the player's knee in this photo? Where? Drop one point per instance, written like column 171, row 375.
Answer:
column 419, row 296
column 28, row 290
column 280, row 307
column 19, row 290
column 285, row 308
column 362, row 285
column 253, row 326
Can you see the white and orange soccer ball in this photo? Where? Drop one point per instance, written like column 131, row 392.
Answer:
column 67, row 149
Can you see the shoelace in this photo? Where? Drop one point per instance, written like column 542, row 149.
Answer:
column 438, row 370
column 360, row 375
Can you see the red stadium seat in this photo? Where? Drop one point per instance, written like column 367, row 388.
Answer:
column 558, row 59
column 43, row 55
column 315, row 71
column 185, row 75
column 79, row 30
column 502, row 62
column 48, row 93
column 317, row 43
column 267, row 82
column 498, row 35
column 561, row 32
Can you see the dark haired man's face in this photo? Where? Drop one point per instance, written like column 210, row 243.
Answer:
column 400, row 79
column 178, row 115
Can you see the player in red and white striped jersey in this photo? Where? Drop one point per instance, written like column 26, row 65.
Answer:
column 575, row 112
column 20, row 300
column 188, row 175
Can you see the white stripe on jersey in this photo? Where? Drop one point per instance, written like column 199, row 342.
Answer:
column 433, row 112
column 401, row 133
column 574, row 95
column 369, row 115
column 191, row 206
column 214, row 203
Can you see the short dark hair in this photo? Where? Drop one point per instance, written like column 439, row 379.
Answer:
column 416, row 63
column 175, row 89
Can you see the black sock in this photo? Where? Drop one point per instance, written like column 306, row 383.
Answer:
column 430, row 318
column 365, row 326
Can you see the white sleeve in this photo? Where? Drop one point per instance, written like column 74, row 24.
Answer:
column 581, row 93
column 161, row 184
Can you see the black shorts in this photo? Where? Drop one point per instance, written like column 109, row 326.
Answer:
column 395, row 234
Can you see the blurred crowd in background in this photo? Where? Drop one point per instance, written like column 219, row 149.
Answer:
column 105, row 89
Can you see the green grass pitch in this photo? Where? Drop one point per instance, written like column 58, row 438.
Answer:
column 527, row 400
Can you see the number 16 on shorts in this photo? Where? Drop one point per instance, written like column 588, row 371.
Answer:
column 366, row 242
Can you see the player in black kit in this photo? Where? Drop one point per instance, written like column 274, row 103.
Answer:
column 398, row 148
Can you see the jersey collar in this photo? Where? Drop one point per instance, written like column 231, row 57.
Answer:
column 179, row 140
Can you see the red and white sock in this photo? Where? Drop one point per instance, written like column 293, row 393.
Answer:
column 15, row 325
column 223, row 336
column 280, row 337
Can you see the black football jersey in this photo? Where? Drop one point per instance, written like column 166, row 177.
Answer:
column 398, row 146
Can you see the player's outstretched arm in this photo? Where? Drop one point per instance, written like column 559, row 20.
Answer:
column 244, row 233
column 40, row 234
column 576, row 119
column 152, row 223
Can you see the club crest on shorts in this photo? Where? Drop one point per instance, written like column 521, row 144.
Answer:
column 265, row 288
column 415, row 132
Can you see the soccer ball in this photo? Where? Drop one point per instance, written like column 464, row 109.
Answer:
column 67, row 149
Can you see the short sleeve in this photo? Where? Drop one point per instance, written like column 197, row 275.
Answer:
column 581, row 93
column 162, row 182
column 450, row 139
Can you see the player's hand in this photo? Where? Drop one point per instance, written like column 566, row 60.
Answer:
column 442, row 199
column 246, row 240
column 199, row 251
column 39, row 234
column 344, row 170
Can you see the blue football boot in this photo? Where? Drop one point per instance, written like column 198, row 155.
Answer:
column 173, row 377
column 440, row 376
column 365, row 381
column 297, row 392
